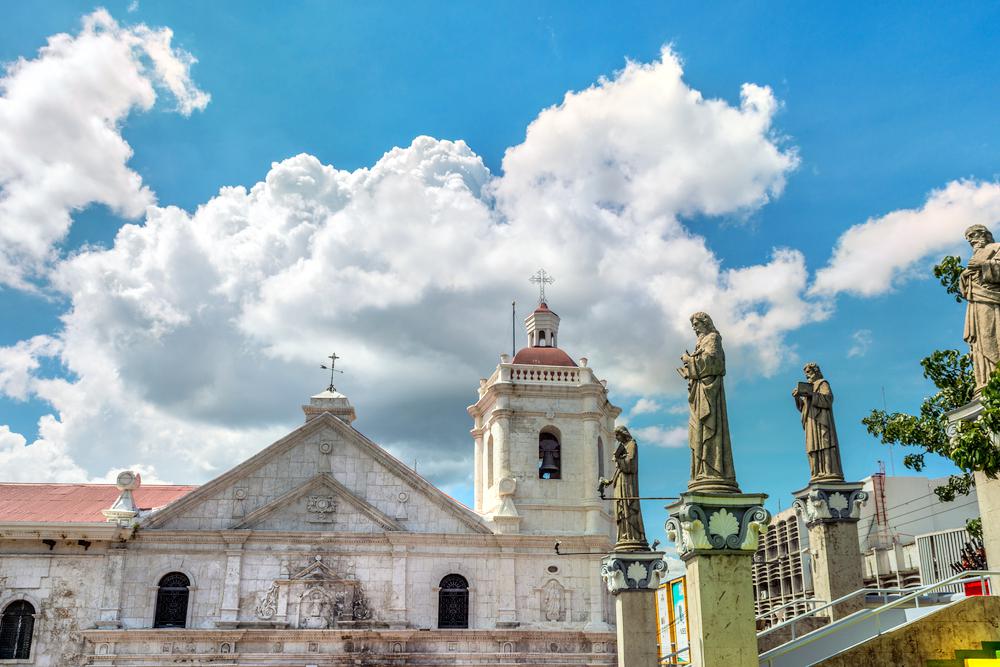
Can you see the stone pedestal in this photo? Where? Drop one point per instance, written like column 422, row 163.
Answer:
column 831, row 511
column 632, row 578
column 716, row 536
column 987, row 491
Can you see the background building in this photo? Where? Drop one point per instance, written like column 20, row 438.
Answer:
column 898, row 511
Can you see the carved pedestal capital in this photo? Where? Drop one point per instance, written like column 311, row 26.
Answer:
column 633, row 571
column 707, row 523
column 824, row 502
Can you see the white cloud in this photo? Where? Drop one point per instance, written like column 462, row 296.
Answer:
column 644, row 406
column 873, row 257
column 862, row 340
column 61, row 147
column 195, row 337
column 660, row 436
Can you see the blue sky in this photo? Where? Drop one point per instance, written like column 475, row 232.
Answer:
column 880, row 105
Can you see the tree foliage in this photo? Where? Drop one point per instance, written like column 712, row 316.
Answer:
column 972, row 449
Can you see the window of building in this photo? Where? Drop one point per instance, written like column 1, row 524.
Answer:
column 549, row 456
column 453, row 602
column 172, row 601
column 16, row 626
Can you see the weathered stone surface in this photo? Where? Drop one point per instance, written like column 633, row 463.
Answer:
column 720, row 608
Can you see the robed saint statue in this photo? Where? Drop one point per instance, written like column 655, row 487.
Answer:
column 814, row 400
column 708, row 425
column 625, row 482
column 980, row 285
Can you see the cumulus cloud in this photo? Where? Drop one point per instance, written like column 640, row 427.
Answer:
column 193, row 338
column 661, row 436
column 61, row 147
column 873, row 257
column 861, row 341
column 644, row 406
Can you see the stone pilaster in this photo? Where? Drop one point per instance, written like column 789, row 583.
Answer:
column 229, row 609
column 632, row 578
column 397, row 603
column 831, row 511
column 987, row 491
column 716, row 536
column 111, row 595
column 507, row 589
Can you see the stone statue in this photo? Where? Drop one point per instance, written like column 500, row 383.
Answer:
column 628, row 514
column 814, row 399
column 708, row 425
column 552, row 601
column 980, row 285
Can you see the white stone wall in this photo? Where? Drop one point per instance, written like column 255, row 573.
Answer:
column 65, row 590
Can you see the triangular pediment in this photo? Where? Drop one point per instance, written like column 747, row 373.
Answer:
column 321, row 502
column 329, row 459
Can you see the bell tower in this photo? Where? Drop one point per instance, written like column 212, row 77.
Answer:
column 544, row 433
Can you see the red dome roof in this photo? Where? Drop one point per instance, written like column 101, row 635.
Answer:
column 543, row 356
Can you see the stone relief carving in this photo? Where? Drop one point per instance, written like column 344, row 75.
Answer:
column 401, row 499
column 841, row 503
column 731, row 528
column 633, row 571
column 321, row 509
column 239, row 503
column 268, row 605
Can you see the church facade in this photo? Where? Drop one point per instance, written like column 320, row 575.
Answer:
column 323, row 549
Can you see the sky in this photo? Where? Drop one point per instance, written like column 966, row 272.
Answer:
column 200, row 201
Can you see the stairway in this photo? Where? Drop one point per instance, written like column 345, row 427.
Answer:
column 987, row 656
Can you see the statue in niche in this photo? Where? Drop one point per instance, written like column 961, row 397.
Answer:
column 980, row 285
column 708, row 424
column 814, row 399
column 552, row 601
column 315, row 614
column 628, row 514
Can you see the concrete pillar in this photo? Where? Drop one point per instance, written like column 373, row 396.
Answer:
column 632, row 578
column 988, row 492
column 831, row 511
column 716, row 536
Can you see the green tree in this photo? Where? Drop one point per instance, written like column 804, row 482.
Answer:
column 951, row 373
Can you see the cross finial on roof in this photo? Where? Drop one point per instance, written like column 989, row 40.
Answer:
column 541, row 278
column 332, row 368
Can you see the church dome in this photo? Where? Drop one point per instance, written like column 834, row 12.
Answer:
column 543, row 356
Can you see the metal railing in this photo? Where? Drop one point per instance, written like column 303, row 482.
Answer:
column 772, row 612
column 670, row 660
column 913, row 596
column 884, row 593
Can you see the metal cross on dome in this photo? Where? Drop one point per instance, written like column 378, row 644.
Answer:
column 332, row 368
column 541, row 278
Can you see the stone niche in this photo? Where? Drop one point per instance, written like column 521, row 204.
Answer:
column 315, row 598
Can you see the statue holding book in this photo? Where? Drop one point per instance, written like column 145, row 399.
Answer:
column 814, row 400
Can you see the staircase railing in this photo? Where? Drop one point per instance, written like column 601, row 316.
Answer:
column 884, row 593
column 913, row 596
column 771, row 612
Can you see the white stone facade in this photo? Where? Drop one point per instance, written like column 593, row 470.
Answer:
column 280, row 549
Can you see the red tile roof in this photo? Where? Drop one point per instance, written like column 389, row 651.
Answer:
column 543, row 356
column 76, row 503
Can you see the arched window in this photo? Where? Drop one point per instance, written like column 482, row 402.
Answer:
column 489, row 462
column 549, row 456
column 172, row 601
column 453, row 602
column 541, row 339
column 16, row 625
